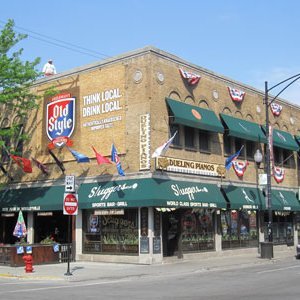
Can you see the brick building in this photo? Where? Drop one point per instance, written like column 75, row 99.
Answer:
column 180, row 203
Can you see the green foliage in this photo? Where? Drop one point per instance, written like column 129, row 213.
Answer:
column 16, row 78
column 46, row 241
column 51, row 91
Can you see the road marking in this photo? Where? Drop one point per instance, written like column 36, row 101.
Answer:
column 64, row 286
column 274, row 270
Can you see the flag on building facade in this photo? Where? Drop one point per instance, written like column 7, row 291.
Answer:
column 240, row 167
column 23, row 163
column 57, row 161
column 229, row 160
column 101, row 159
column 81, row 158
column 278, row 174
column 191, row 78
column 115, row 158
column 161, row 150
column 276, row 109
column 236, row 95
column 41, row 166
column 20, row 228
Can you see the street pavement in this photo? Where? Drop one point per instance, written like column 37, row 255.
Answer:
column 87, row 271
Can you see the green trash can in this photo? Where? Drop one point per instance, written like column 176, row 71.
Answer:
column 266, row 250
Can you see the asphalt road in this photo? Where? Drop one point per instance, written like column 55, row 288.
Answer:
column 280, row 280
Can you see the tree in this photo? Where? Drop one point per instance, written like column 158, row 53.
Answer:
column 16, row 97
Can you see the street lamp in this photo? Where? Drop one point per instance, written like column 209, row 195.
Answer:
column 268, row 166
column 258, row 158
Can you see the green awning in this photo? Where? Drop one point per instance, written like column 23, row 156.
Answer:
column 286, row 199
column 117, row 194
column 244, row 129
column 48, row 198
column 284, row 140
column 244, row 197
column 194, row 116
column 149, row 192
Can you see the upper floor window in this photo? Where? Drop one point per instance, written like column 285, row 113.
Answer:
column 189, row 139
column 204, row 138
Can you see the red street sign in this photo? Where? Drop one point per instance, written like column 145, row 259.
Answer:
column 70, row 204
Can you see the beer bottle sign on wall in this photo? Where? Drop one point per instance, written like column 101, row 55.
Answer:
column 60, row 119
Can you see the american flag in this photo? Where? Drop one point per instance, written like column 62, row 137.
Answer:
column 276, row 109
column 191, row 78
column 236, row 95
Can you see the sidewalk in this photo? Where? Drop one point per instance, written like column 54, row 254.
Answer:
column 85, row 271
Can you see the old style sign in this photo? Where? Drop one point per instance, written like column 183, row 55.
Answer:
column 70, row 204
column 60, row 119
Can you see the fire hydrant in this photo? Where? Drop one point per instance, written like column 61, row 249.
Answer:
column 28, row 263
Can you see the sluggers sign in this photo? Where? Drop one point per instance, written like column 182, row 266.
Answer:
column 60, row 119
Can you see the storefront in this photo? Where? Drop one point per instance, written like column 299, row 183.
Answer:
column 240, row 224
column 285, row 207
column 149, row 216
column 42, row 210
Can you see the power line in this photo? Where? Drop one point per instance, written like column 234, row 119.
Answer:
column 60, row 43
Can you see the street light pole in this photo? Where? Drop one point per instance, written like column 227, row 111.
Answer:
column 268, row 168
column 268, row 162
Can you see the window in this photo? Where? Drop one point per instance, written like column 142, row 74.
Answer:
column 283, row 157
column 173, row 129
column 277, row 155
column 288, row 158
column 239, row 229
column 113, row 234
column 227, row 145
column 250, row 149
column 189, row 141
column 238, row 145
column 204, row 140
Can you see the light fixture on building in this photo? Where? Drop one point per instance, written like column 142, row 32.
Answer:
column 258, row 158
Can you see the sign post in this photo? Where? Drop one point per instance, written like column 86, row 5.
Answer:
column 70, row 208
column 70, row 184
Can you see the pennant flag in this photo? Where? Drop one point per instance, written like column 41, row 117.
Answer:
column 41, row 166
column 240, row 167
column 20, row 228
column 101, row 159
column 276, row 109
column 5, row 172
column 23, row 163
column 115, row 158
column 236, row 95
column 161, row 150
column 230, row 159
column 81, row 158
column 57, row 161
column 191, row 78
column 271, row 147
column 278, row 174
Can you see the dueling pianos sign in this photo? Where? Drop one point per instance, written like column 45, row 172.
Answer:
column 190, row 167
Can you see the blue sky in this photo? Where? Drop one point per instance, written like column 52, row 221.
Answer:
column 249, row 41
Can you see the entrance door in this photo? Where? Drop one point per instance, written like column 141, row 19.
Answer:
column 170, row 228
